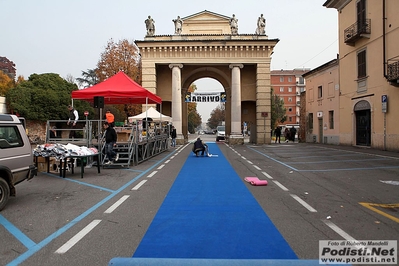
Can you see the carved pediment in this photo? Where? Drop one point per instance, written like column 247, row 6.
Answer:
column 206, row 22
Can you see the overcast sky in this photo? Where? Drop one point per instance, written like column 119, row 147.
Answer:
column 68, row 36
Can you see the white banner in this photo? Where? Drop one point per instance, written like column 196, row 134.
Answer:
column 205, row 97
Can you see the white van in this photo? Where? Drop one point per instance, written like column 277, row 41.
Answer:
column 220, row 133
column 16, row 158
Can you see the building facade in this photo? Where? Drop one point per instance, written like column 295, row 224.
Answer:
column 368, row 72
column 288, row 85
column 321, row 109
column 205, row 46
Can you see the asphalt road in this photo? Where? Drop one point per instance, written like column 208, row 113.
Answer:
column 315, row 192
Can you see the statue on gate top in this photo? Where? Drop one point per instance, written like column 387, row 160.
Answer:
column 178, row 25
column 234, row 25
column 260, row 30
column 150, row 25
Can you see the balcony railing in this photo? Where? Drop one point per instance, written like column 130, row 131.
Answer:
column 393, row 70
column 357, row 31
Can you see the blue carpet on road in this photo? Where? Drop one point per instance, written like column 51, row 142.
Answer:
column 210, row 213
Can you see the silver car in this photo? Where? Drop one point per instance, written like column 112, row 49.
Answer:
column 16, row 158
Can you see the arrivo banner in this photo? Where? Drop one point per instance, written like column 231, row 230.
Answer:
column 205, row 97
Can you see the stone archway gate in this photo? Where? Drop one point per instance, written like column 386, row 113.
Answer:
column 206, row 47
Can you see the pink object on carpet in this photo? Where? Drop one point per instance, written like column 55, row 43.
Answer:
column 256, row 181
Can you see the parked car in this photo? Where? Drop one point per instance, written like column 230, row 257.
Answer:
column 220, row 133
column 16, row 157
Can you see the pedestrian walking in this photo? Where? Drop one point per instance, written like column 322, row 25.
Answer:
column 173, row 135
column 110, row 142
column 277, row 133
column 73, row 119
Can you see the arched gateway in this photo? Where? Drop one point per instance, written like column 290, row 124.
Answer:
column 206, row 47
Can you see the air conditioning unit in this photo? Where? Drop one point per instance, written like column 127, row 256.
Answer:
column 319, row 114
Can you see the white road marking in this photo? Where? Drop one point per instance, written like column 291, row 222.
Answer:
column 338, row 230
column 139, row 184
column 167, row 161
column 304, row 204
column 267, row 175
column 116, row 204
column 257, row 167
column 152, row 174
column 160, row 167
column 71, row 242
column 280, row 185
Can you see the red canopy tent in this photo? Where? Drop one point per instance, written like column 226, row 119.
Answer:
column 118, row 89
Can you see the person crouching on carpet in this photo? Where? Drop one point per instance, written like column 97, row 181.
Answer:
column 200, row 146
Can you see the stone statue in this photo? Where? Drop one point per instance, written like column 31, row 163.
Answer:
column 150, row 25
column 234, row 25
column 260, row 30
column 178, row 25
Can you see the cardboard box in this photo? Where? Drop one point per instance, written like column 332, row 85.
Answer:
column 42, row 165
column 123, row 136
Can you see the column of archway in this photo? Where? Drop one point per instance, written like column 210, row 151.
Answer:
column 263, row 103
column 235, row 134
column 176, row 99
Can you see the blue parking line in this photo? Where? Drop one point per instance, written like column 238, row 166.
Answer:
column 336, row 161
column 26, row 241
column 326, row 170
column 33, row 247
column 80, row 182
column 351, row 169
column 277, row 161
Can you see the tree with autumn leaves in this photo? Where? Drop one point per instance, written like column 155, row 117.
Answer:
column 193, row 118
column 6, row 83
column 120, row 56
column 218, row 115
column 124, row 56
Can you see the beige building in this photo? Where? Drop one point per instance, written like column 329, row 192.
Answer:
column 321, row 112
column 368, row 72
column 209, row 45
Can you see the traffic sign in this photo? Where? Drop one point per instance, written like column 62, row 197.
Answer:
column 86, row 113
column 384, row 102
column 384, row 98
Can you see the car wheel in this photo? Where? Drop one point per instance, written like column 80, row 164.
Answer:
column 4, row 193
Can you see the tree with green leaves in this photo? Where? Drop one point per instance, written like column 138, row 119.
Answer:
column 278, row 112
column 44, row 97
column 88, row 79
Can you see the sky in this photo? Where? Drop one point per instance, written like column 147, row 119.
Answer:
column 68, row 36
